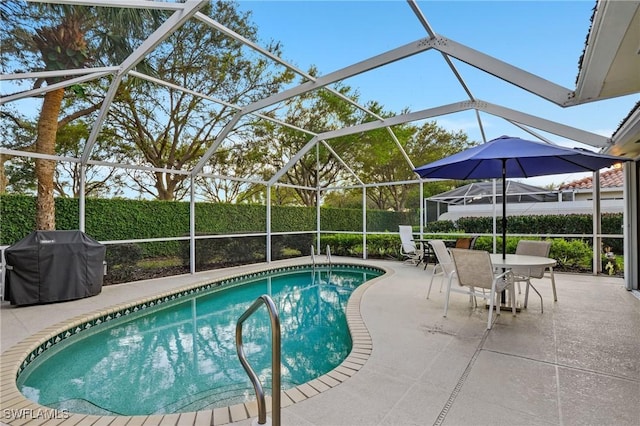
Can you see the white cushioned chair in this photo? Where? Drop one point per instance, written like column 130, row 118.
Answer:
column 444, row 266
column 411, row 253
column 475, row 273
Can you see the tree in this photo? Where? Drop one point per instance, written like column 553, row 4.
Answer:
column 170, row 128
column 98, row 180
column 380, row 160
column 18, row 133
column 343, row 199
column 53, row 38
column 432, row 143
column 241, row 161
column 62, row 46
column 317, row 111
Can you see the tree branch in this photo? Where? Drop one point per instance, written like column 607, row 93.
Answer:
column 81, row 113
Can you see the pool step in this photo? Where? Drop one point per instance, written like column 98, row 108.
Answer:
column 215, row 398
column 77, row 405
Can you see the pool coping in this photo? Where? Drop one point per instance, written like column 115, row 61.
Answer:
column 18, row 410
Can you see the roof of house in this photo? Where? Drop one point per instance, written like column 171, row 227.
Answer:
column 482, row 193
column 613, row 178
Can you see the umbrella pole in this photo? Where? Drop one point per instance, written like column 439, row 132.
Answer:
column 504, row 208
column 503, row 296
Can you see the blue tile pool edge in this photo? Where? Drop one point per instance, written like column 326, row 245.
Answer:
column 16, row 359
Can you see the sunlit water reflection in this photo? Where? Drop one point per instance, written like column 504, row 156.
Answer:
column 182, row 357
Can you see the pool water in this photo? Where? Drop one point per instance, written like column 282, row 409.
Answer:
column 181, row 357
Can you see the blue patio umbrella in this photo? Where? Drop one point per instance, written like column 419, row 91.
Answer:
column 511, row 157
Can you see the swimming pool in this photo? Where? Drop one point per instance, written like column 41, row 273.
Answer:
column 150, row 360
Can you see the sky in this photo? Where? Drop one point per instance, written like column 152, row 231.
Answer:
column 546, row 38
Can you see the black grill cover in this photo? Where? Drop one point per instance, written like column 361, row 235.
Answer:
column 53, row 266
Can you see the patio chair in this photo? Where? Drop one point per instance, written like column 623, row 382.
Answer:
column 475, row 272
column 444, row 265
column 533, row 248
column 408, row 249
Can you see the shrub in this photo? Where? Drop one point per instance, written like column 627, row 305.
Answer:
column 574, row 254
column 123, row 254
column 378, row 246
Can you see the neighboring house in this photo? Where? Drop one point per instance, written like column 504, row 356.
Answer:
column 611, row 186
column 575, row 197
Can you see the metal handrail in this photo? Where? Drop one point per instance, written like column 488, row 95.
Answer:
column 275, row 360
column 328, row 254
column 313, row 256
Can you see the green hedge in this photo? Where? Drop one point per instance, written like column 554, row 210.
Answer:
column 379, row 246
column 574, row 254
column 118, row 219
column 538, row 224
column 580, row 224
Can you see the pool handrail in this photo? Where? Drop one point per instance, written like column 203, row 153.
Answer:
column 275, row 360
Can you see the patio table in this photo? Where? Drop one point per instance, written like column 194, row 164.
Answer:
column 525, row 261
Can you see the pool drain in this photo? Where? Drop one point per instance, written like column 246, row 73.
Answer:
column 461, row 380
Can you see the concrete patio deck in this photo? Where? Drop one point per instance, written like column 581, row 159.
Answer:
column 578, row 363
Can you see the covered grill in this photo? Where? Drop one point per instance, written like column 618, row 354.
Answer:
column 53, row 266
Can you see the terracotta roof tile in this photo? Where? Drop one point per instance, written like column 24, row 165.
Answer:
column 613, row 178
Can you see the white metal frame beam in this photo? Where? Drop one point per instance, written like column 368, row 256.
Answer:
column 400, row 119
column 454, row 70
column 58, row 158
column 215, row 100
column 549, row 126
column 631, row 227
column 60, row 73
column 341, row 161
column 506, row 113
column 531, row 132
column 402, row 52
column 212, row 23
column 216, row 143
column 134, row 4
column 523, row 79
column 276, row 177
column 90, row 75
